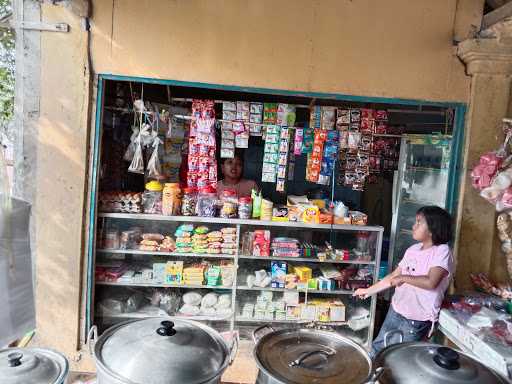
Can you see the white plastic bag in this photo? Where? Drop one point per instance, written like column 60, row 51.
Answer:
column 17, row 308
column 137, row 164
column 192, row 298
column 154, row 168
column 209, row 300
column 130, row 151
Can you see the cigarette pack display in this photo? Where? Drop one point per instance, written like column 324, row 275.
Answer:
column 229, row 115
column 228, row 106
column 256, row 118
column 256, row 108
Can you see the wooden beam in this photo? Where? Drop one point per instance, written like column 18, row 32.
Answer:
column 497, row 15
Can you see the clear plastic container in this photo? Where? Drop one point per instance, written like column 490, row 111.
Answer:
column 152, row 202
column 152, row 198
column 245, row 207
column 171, row 199
column 206, row 202
column 189, row 202
column 229, row 204
column 111, row 240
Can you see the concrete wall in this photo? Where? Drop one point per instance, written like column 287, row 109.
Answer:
column 394, row 48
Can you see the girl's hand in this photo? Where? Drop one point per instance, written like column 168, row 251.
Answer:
column 397, row 281
column 362, row 293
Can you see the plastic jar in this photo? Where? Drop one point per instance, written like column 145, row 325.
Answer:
column 171, row 199
column 206, row 202
column 229, row 203
column 111, row 240
column 245, row 207
column 152, row 198
column 189, row 201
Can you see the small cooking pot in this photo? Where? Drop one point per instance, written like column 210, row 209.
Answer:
column 428, row 363
column 160, row 350
column 32, row 365
column 309, row 356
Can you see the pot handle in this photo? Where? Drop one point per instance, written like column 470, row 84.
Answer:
column 92, row 336
column 255, row 337
column 388, row 335
column 375, row 377
column 234, row 349
column 297, row 362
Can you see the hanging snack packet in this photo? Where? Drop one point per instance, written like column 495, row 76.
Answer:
column 269, row 113
column 315, row 117
column 297, row 142
column 381, row 115
column 355, row 115
column 228, row 106
column 365, row 144
column 328, row 117
column 309, row 139
column 353, row 141
column 342, row 117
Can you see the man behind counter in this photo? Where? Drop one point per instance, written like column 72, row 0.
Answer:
column 231, row 170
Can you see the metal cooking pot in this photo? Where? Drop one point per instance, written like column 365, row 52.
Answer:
column 309, row 356
column 428, row 363
column 32, row 366
column 160, row 351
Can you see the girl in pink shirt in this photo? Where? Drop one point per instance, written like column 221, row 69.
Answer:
column 420, row 280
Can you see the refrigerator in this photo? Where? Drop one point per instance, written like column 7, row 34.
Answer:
column 421, row 179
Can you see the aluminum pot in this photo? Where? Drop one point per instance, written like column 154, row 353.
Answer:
column 309, row 356
column 160, row 351
column 32, row 366
column 428, row 363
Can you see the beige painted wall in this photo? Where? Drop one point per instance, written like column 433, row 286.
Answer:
column 59, row 184
column 393, row 48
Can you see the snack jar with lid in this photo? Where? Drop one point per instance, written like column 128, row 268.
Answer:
column 229, row 203
column 189, row 201
column 152, row 198
column 206, row 202
column 245, row 207
column 171, row 199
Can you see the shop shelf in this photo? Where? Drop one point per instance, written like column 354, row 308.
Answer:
column 156, row 253
column 218, row 220
column 323, row 292
column 427, row 169
column 136, row 284
column 306, row 259
column 299, row 321
column 135, row 315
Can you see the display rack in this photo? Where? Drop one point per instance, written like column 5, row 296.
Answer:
column 239, row 285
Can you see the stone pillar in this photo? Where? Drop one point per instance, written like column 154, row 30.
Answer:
column 489, row 63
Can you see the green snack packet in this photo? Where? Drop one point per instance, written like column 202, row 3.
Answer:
column 256, row 203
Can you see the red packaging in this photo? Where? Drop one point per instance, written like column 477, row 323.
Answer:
column 367, row 113
column 381, row 115
column 381, row 127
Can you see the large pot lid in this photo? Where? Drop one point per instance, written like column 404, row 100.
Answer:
column 156, row 351
column 422, row 362
column 309, row 356
column 32, row 366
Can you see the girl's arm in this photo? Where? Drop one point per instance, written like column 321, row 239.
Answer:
column 430, row 281
column 380, row 286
